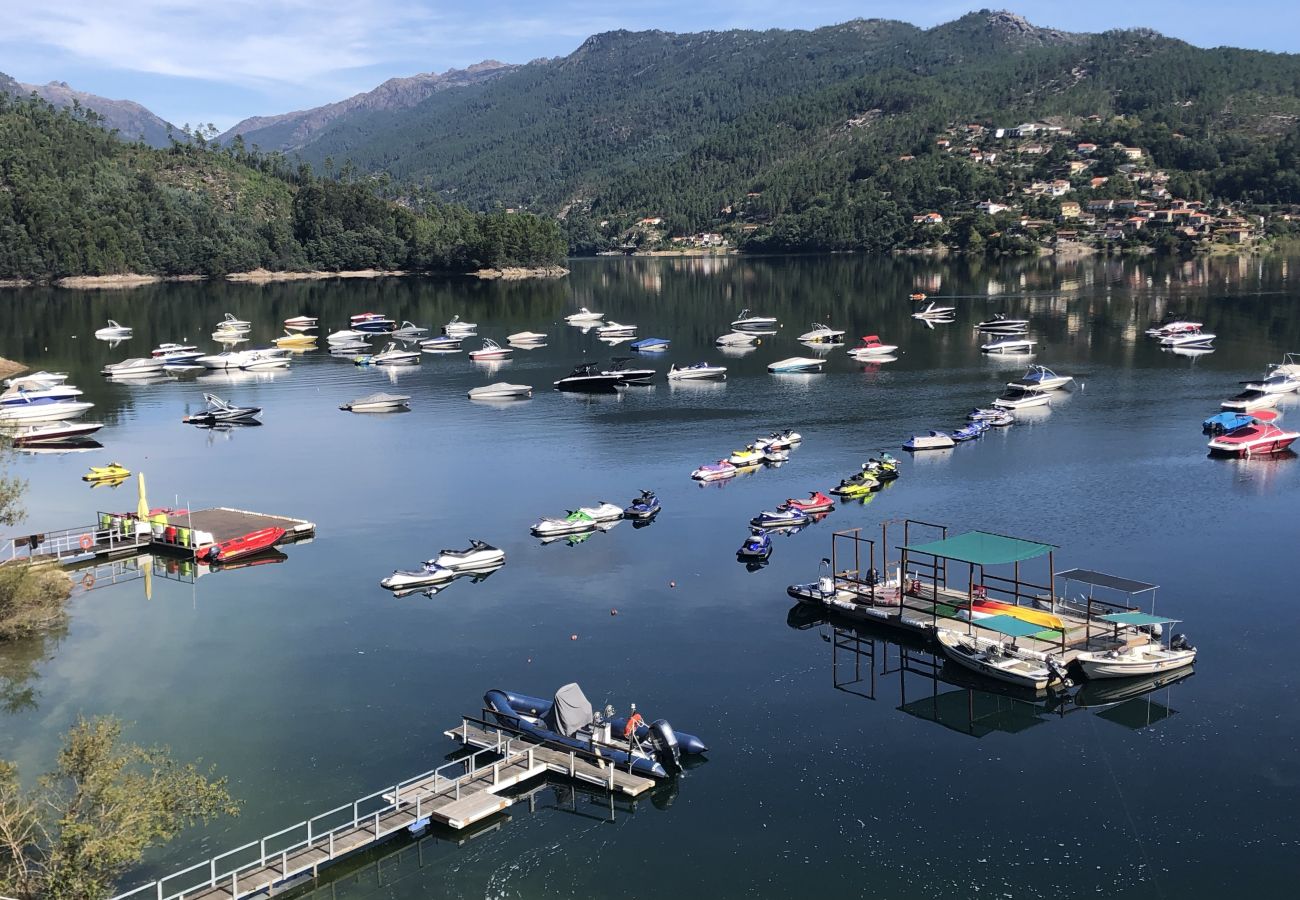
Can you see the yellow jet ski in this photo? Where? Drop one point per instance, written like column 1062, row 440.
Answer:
column 111, row 472
column 855, row 487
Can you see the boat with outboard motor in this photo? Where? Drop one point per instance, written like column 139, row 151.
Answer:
column 54, row 433
column 588, row 377
column 815, row 502
column 1000, row 324
column 747, row 321
column 935, row 440
column 575, row 522
column 756, row 547
column 1001, row 661
column 1221, row 423
column 568, row 723
column 380, row 402
column 697, row 372
column 718, row 471
column 478, row 555
column 1136, row 661
column 822, row 334
column 219, row 412
column 626, row 375
column 584, row 316
column 650, row 345
column 114, row 332
column 794, row 364
column 490, row 350
column 1040, row 378
column 1008, row 345
column 501, row 390
column 1255, row 439
column 872, row 347
column 429, row 573
column 643, row 507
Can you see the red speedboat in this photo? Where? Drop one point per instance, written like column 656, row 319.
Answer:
column 236, row 548
column 1259, row 439
column 815, row 502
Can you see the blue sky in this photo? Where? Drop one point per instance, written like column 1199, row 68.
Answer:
column 221, row 60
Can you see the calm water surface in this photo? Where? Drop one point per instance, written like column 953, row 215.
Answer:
column 849, row 776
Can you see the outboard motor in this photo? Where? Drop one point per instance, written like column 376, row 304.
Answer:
column 665, row 740
column 1058, row 672
column 1179, row 642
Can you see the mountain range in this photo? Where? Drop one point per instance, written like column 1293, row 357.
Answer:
column 131, row 120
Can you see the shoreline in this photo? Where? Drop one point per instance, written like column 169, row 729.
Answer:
column 9, row 368
column 129, row 280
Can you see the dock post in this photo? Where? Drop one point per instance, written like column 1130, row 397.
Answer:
column 496, row 773
column 160, row 893
column 212, row 870
column 331, row 845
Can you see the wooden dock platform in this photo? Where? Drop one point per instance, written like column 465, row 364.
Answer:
column 225, row 524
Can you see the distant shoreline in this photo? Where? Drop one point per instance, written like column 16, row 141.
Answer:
column 265, row 276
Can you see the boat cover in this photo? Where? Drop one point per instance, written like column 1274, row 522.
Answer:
column 571, row 711
column 1137, row 618
column 1101, row 579
column 983, row 549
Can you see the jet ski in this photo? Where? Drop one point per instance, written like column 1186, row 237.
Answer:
column 779, row 440
column 575, row 522
column 715, row 471
column 970, row 431
column 883, row 469
column 429, row 573
column 750, row 456
column 568, row 722
column 605, row 512
column 478, row 555
column 758, row 546
column 775, row 457
column 111, row 472
column 848, row 489
column 815, row 502
column 644, row 507
column 786, row 517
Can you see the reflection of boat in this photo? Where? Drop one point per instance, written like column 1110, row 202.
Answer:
column 57, row 432
column 1112, row 691
column 934, row 313
column 700, row 370
column 262, row 558
column 501, row 390
column 1008, row 345
column 1000, row 324
column 1002, row 662
column 219, row 411
column 380, row 402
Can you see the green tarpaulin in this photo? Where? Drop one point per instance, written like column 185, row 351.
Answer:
column 983, row 549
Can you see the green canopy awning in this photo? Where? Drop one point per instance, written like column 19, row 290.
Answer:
column 1136, row 618
column 983, row 549
column 1008, row 625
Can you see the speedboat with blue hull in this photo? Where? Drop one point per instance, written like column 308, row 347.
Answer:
column 644, row 507
column 758, row 546
column 569, row 722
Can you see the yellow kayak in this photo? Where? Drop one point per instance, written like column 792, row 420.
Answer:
column 110, row 472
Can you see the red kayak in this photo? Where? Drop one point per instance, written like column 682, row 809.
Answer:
column 235, row 548
column 815, row 502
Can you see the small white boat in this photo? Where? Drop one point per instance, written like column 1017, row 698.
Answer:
column 443, row 343
column 300, row 323
column 1003, row 662
column 477, row 556
column 378, row 403
column 700, row 370
column 615, row 329
column 1008, row 345
column 1249, row 401
column 429, row 574
column 43, row 411
column 502, row 390
column 527, row 337
column 265, row 358
column 1040, row 378
column 1276, row 383
column 114, row 332
column 935, row 440
column 747, row 321
column 392, row 355
column 230, row 359
column 584, row 316
column 796, row 364
column 346, row 336
column 736, row 339
column 14, row 396
column 822, row 334
column 1127, row 662
column 135, row 367
column 176, row 354
column 871, row 348
column 934, row 313
column 1022, row 400
column 55, row 432
column 490, row 350
column 1196, row 338
column 410, row 331
column 230, row 323
column 36, row 380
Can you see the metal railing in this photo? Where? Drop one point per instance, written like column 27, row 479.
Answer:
column 276, row 852
column 71, row 542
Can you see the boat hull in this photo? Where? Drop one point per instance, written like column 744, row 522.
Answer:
column 1100, row 665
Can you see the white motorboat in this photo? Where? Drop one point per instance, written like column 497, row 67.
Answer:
column 478, row 555
column 502, row 390
column 1008, row 345
column 700, row 370
column 176, row 354
column 219, row 412
column 36, row 380
column 747, row 321
column 1041, row 378
column 1276, row 383
column 584, row 316
column 1196, row 338
column 428, row 574
column 871, row 348
column 135, row 367
column 796, row 364
column 822, row 334
column 602, row 512
column 1004, row 662
column 55, row 432
column 300, row 323
column 229, row 359
column 490, row 350
column 15, row 396
column 615, row 329
column 935, row 440
column 935, row 313
column 372, row 323
column 1290, row 365
column 264, row 358
column 380, row 402
column 736, row 339
column 1000, row 324
column 43, row 411
column 1249, row 401
column 626, row 374
column 1175, row 326
column 346, row 336
column 1022, row 400
column 443, row 343
column 114, row 332
column 410, row 331
column 527, row 337
column 1145, row 659
column 230, row 323
column 456, row 328
column 391, row 355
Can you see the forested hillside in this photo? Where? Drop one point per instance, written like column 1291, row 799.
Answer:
column 806, row 129
column 74, row 200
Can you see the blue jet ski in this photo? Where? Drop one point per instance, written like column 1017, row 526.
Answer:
column 973, row 430
column 644, row 507
column 568, row 722
column 758, row 546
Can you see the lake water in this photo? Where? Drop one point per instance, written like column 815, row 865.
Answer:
column 308, row 685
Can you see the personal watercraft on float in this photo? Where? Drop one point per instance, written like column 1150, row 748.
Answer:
column 644, row 507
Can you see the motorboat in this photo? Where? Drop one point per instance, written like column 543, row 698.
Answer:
column 1250, row 401
column 346, row 336
column 443, row 343
column 747, row 321
column 1000, row 324
column 135, row 367
column 872, row 347
column 1040, row 378
column 1276, row 383
column 380, row 402
column 970, row 431
column 575, row 522
column 429, row 573
column 584, row 316
column 749, row 456
column 230, row 323
column 410, row 331
column 1195, row 338
column 1131, row 662
column 935, row 313
column 786, row 517
column 815, row 502
column 1175, row 326
column 297, row 340
column 54, row 433
column 176, row 354
column 527, row 337
column 1008, row 345
column 700, row 370
column 300, row 323
column 490, row 350
column 822, row 334
column 1290, row 365
column 935, row 440
column 643, row 507
column 501, row 390
column 219, row 412
column 229, row 359
column 736, row 339
column 114, row 332
column 111, row 472
column 393, row 355
column 265, row 358
column 36, row 380
column 918, row 296
column 568, row 723
column 615, row 329
column 718, row 471
column 1022, row 400
column 456, row 328
column 372, row 323
column 478, row 555
column 780, row 440
column 626, row 375
column 43, row 410
column 650, row 345
column 796, row 364
column 1223, row 422
column 16, row 396
column 1003, row 662
column 587, row 377
column 1258, row 439
column 758, row 546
